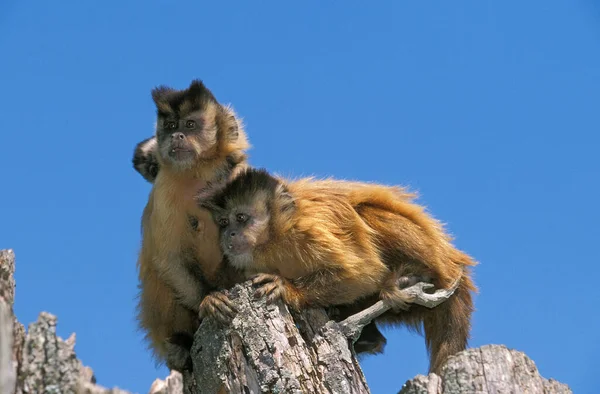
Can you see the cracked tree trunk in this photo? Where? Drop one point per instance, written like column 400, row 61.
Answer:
column 267, row 349
column 488, row 369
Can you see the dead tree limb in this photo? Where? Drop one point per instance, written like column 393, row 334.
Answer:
column 353, row 325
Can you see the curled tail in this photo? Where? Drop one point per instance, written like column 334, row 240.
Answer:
column 447, row 326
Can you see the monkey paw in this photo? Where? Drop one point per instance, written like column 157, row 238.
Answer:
column 271, row 286
column 398, row 300
column 218, row 306
column 178, row 351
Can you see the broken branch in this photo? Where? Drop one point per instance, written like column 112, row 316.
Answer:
column 353, row 325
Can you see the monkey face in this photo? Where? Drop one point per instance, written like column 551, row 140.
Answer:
column 243, row 228
column 186, row 128
column 246, row 210
column 184, row 140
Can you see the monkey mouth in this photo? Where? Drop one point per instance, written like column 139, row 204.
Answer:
column 180, row 153
column 238, row 249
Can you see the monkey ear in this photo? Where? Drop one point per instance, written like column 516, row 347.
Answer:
column 232, row 123
column 285, row 200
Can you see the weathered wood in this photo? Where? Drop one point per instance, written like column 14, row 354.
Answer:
column 8, row 373
column 37, row 361
column 267, row 349
column 353, row 325
column 8, row 352
column 488, row 369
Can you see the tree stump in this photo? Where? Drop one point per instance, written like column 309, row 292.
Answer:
column 268, row 349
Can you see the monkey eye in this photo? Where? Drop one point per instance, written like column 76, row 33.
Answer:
column 241, row 217
column 190, row 124
column 170, row 125
column 223, row 222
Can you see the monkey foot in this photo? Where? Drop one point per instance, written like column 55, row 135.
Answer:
column 371, row 340
column 410, row 280
column 218, row 306
column 178, row 351
column 400, row 300
column 271, row 286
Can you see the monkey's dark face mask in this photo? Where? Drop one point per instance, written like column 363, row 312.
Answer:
column 176, row 141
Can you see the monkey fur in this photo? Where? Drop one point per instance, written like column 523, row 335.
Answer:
column 322, row 243
column 371, row 340
column 199, row 145
column 144, row 159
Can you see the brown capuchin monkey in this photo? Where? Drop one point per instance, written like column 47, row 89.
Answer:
column 199, row 145
column 326, row 243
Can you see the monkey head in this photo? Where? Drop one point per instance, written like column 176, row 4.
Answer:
column 248, row 211
column 144, row 159
column 193, row 128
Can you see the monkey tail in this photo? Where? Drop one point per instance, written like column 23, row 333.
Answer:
column 447, row 326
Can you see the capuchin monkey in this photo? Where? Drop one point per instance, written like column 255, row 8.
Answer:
column 327, row 243
column 199, row 145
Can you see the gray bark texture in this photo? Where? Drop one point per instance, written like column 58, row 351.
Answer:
column 266, row 349
column 487, row 369
column 37, row 361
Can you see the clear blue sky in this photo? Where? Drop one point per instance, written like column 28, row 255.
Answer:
column 488, row 109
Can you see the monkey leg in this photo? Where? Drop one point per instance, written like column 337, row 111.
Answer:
column 321, row 288
column 160, row 316
column 370, row 341
column 178, row 351
column 218, row 306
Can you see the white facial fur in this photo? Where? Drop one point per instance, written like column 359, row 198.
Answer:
column 240, row 261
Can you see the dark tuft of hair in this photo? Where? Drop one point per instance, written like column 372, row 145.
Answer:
column 198, row 94
column 160, row 93
column 246, row 184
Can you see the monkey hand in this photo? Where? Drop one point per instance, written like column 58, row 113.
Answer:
column 218, row 306
column 271, row 286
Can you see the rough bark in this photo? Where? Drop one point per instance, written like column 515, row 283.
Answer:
column 267, row 349
column 488, row 369
column 37, row 361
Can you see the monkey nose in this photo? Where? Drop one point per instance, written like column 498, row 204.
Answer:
column 177, row 136
column 232, row 234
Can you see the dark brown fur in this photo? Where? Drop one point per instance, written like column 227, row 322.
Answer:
column 324, row 243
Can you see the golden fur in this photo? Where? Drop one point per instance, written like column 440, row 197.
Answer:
column 347, row 243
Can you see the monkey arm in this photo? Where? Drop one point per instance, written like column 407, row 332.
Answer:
column 322, row 288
